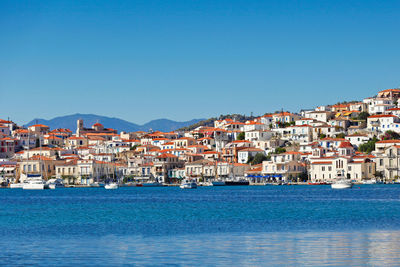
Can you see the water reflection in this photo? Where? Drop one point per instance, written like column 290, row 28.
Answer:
column 244, row 249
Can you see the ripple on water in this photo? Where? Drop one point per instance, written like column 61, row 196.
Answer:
column 295, row 225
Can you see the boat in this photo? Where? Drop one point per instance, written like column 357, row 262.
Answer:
column 34, row 182
column 55, row 183
column 342, row 184
column 95, row 184
column 274, row 183
column 152, row 184
column 237, row 182
column 369, row 181
column 188, row 184
column 111, row 186
column 317, row 183
column 17, row 185
column 218, row 183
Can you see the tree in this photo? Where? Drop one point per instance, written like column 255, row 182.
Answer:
column 322, row 136
column 363, row 116
column 369, row 146
column 340, row 135
column 390, row 135
column 279, row 150
column 259, row 158
column 241, row 136
column 303, row 176
column 134, row 147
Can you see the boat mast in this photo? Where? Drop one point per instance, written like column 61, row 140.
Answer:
column 40, row 158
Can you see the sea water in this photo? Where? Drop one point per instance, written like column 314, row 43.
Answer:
column 235, row 226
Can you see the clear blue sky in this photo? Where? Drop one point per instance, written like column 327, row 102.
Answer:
column 143, row 60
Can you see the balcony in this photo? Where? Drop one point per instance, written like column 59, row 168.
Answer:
column 392, row 168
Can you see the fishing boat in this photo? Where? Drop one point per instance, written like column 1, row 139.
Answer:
column 369, row 181
column 342, row 184
column 55, row 183
column 111, row 186
column 155, row 183
column 317, row 183
column 237, row 182
column 95, row 184
column 188, row 184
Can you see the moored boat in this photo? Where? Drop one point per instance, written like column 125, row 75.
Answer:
column 55, row 183
column 369, row 181
column 111, row 186
column 317, row 183
column 238, row 182
column 218, row 183
column 152, row 184
column 16, row 185
column 342, row 184
column 95, row 184
column 188, row 184
column 34, row 182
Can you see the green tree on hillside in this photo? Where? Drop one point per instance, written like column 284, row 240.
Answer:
column 279, row 150
column 259, row 158
column 369, row 146
column 240, row 136
column 340, row 135
column 363, row 116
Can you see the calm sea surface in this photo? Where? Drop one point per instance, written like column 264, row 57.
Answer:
column 235, row 226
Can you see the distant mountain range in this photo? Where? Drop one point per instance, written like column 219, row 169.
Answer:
column 69, row 122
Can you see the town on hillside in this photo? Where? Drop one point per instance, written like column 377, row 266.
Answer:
column 359, row 141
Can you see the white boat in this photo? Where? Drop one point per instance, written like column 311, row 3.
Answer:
column 55, row 183
column 188, row 184
column 17, row 185
column 34, row 183
column 95, row 184
column 111, row 186
column 370, row 181
column 342, row 184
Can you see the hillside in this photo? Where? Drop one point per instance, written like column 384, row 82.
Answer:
column 69, row 122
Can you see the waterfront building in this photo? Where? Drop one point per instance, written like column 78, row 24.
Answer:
column 344, row 164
